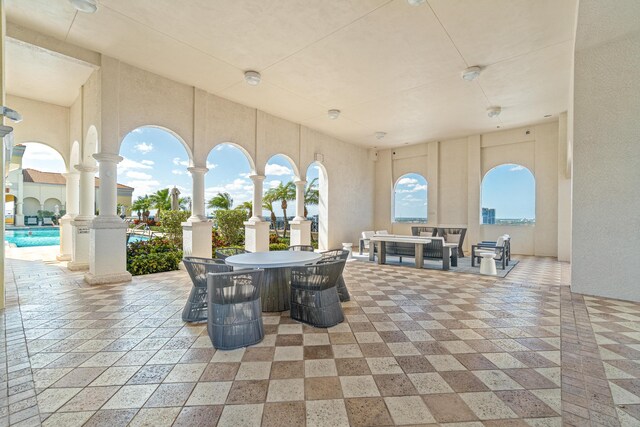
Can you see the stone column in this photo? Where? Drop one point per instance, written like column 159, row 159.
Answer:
column 66, row 229
column 300, row 226
column 108, row 244
column 19, row 220
column 80, row 224
column 256, row 230
column 196, row 231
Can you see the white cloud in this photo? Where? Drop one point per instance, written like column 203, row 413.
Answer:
column 273, row 183
column 273, row 169
column 143, row 147
column 138, row 175
column 138, row 130
column 211, row 165
column 128, row 164
column 142, row 187
column 419, row 187
column 516, row 168
column 245, row 175
column 178, row 172
column 179, row 162
column 407, row 181
column 42, row 158
column 148, row 162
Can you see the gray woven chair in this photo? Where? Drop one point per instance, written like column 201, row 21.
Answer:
column 314, row 298
column 303, row 248
column 336, row 255
column 235, row 312
column 195, row 310
column 223, row 253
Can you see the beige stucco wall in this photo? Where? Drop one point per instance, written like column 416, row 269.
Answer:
column 606, row 153
column 454, row 170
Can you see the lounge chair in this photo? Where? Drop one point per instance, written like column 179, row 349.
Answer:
column 195, row 310
column 365, row 239
column 302, row 248
column 499, row 248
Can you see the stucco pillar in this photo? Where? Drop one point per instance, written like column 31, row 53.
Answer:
column 19, row 220
column 474, row 181
column 66, row 229
column 256, row 230
column 196, row 231
column 108, row 244
column 300, row 226
column 80, row 224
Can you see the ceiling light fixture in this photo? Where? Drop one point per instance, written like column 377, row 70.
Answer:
column 10, row 114
column 416, row 2
column 471, row 73
column 493, row 112
column 86, row 6
column 333, row 114
column 547, row 116
column 252, row 77
column 380, row 135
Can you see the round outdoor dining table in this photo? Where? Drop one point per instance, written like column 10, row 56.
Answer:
column 277, row 272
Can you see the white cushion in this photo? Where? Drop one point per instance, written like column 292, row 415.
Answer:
column 426, row 234
column 453, row 238
column 367, row 234
column 382, row 232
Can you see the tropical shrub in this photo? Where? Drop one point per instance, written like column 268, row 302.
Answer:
column 230, row 223
column 172, row 225
column 152, row 256
column 278, row 247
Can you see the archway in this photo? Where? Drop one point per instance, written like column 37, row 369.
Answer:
column 410, row 199
column 154, row 161
column 31, row 206
column 317, row 203
column 278, row 191
column 508, row 196
column 227, row 184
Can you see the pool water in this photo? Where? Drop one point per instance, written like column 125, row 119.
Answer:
column 33, row 237
column 137, row 238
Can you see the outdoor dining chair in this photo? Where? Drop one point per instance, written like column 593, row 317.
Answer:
column 314, row 298
column 234, row 309
column 341, row 286
column 223, row 253
column 305, row 248
column 195, row 310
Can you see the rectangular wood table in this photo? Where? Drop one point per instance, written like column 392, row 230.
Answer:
column 380, row 242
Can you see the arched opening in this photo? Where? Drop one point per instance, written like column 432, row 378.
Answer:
column 279, row 190
column 508, row 196
column 316, row 204
column 227, row 184
column 35, row 175
column 51, row 203
column 410, row 199
column 154, row 161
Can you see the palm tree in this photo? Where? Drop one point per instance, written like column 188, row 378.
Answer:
column 311, row 196
column 185, row 203
column 248, row 206
column 220, row 201
column 161, row 201
column 141, row 205
column 284, row 193
column 267, row 203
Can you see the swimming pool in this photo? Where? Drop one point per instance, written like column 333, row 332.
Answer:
column 49, row 236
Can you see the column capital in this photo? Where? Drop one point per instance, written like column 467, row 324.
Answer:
column 86, row 168
column 299, row 182
column 198, row 169
column 107, row 157
column 255, row 178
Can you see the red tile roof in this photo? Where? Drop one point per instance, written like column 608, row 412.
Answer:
column 39, row 177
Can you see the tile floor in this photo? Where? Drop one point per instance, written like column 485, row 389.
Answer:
column 417, row 347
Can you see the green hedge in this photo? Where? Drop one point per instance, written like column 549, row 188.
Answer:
column 278, row 247
column 152, row 256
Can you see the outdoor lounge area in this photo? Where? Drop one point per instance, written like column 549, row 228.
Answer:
column 334, row 213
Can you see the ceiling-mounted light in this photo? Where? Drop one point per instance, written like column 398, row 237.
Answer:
column 493, row 111
column 86, row 6
column 252, row 77
column 471, row 73
column 10, row 114
column 380, row 135
column 546, row 116
column 416, row 2
column 333, row 114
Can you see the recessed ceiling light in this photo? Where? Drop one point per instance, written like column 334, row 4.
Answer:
column 493, row 111
column 333, row 114
column 252, row 77
column 380, row 135
column 471, row 73
column 86, row 6
column 547, row 115
column 416, row 2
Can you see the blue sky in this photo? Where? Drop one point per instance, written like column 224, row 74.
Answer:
column 411, row 197
column 510, row 190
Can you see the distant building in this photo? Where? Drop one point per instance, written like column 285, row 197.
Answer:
column 488, row 216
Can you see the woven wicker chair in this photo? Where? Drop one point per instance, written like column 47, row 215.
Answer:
column 303, row 248
column 195, row 310
column 341, row 286
column 314, row 298
column 235, row 312
column 223, row 253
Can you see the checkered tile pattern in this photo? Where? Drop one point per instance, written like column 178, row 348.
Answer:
column 417, row 347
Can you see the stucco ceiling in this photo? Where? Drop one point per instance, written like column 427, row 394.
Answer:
column 386, row 65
